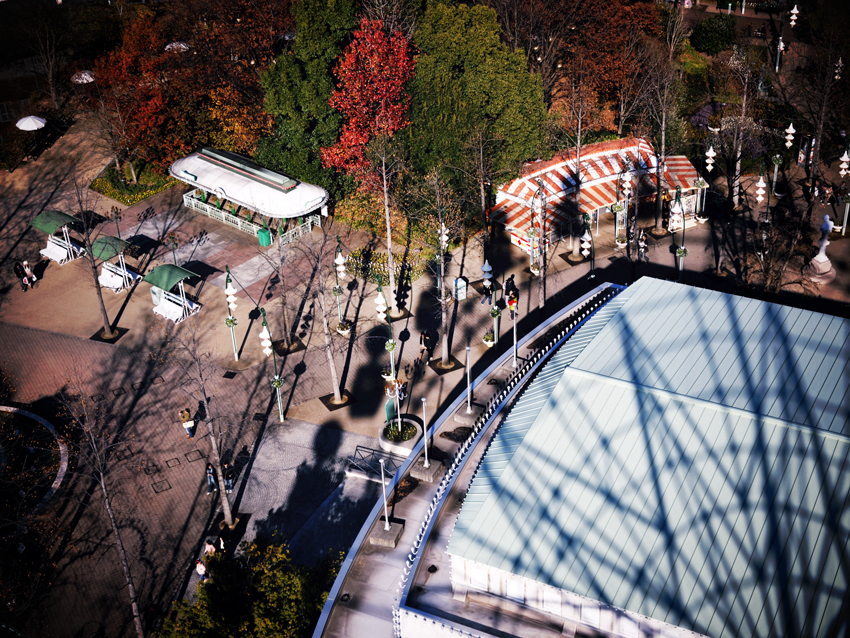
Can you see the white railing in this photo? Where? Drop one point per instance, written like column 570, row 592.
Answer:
column 299, row 231
column 192, row 199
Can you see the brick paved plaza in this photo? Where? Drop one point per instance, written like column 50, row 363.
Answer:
column 291, row 474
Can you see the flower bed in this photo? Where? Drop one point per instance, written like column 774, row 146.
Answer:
column 110, row 183
column 370, row 265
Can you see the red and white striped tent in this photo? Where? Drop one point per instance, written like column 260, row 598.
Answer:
column 603, row 168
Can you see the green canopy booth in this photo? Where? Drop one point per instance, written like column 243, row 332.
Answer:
column 173, row 306
column 61, row 249
column 116, row 277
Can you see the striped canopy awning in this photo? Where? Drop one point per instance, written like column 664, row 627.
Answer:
column 604, row 167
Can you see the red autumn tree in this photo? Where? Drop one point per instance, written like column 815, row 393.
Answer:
column 372, row 73
column 371, row 96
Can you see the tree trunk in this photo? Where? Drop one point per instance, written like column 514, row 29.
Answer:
column 122, row 554
column 329, row 348
column 390, row 265
column 216, row 456
column 659, row 173
column 108, row 332
column 133, row 172
column 577, row 238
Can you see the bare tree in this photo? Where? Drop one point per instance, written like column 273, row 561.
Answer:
column 99, row 442
column 90, row 230
column 396, row 15
column 632, row 83
column 676, row 28
column 661, row 101
column 388, row 164
column 319, row 252
column 184, row 349
column 278, row 258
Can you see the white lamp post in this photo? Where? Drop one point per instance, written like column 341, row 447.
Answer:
column 845, row 163
column 268, row 349
column 677, row 216
column 468, row 381
column 230, row 320
column 779, row 49
column 384, row 494
column 339, row 273
column 425, row 432
column 709, row 158
column 381, row 309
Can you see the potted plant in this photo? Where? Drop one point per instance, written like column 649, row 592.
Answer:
column 495, row 311
column 617, row 207
column 344, row 328
column 489, row 338
column 681, row 252
column 535, row 269
column 387, row 373
column 230, row 321
column 620, row 240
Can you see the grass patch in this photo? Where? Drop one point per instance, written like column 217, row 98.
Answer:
column 120, row 187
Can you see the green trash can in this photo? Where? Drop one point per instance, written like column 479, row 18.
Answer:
column 265, row 237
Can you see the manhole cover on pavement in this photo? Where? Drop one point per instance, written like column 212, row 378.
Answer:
column 151, row 469
column 118, row 392
column 172, row 462
column 161, row 486
column 194, row 455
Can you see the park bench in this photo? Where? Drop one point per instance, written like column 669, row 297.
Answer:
column 61, row 251
column 172, row 308
column 115, row 278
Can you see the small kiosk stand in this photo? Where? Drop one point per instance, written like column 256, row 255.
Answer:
column 116, row 277
column 173, row 306
column 61, row 249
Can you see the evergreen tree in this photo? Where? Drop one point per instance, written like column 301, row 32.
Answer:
column 298, row 87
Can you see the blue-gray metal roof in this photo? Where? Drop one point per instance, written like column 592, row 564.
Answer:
column 686, row 457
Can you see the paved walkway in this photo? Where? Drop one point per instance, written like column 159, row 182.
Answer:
column 163, row 510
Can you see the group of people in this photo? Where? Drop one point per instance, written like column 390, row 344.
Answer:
column 25, row 275
column 229, row 478
column 825, row 194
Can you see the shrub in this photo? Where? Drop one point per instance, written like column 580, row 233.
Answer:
column 714, row 34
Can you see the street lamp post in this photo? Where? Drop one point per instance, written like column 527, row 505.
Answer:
column 514, row 307
column 760, row 190
column 677, row 215
column 339, row 272
column 384, row 495
column 268, row 349
column 588, row 247
column 381, row 309
column 230, row 320
column 468, row 381
column 845, row 163
column 427, row 463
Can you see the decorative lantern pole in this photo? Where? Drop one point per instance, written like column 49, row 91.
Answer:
column 845, row 163
column 268, row 349
column 381, row 309
column 588, row 247
column 760, row 190
column 427, row 463
column 339, row 273
column 677, row 216
column 468, row 381
column 384, row 494
column 230, row 320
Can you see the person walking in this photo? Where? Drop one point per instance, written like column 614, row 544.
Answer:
column 202, row 570
column 487, row 296
column 212, row 486
column 426, row 347
column 229, row 478
column 513, row 300
column 841, row 192
column 32, row 280
column 21, row 275
column 188, row 423
column 510, row 286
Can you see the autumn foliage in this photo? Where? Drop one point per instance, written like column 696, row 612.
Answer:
column 372, row 75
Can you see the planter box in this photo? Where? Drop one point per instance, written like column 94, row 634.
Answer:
column 405, row 447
